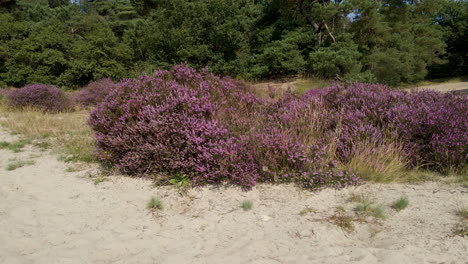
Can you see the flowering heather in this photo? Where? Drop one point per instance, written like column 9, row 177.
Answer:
column 213, row 129
column 44, row 97
column 94, row 92
column 432, row 126
column 165, row 123
column 363, row 111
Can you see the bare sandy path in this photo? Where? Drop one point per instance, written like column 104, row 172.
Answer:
column 446, row 87
column 49, row 216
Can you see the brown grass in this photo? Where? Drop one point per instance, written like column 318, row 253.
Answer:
column 67, row 133
column 380, row 163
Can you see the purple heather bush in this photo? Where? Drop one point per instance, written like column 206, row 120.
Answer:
column 94, row 92
column 41, row 96
column 432, row 126
column 213, row 129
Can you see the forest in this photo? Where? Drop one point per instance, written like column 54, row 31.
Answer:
column 71, row 43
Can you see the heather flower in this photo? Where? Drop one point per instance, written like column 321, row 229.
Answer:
column 212, row 129
column 432, row 126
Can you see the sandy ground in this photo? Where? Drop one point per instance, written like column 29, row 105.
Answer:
column 446, row 87
column 48, row 215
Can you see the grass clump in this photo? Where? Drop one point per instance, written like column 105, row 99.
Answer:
column 369, row 209
column 379, row 163
column 462, row 212
column 307, row 211
column 461, row 229
column 18, row 164
column 181, row 182
column 99, row 180
column 400, row 204
column 247, row 205
column 342, row 219
column 359, row 198
column 16, row 146
column 155, row 204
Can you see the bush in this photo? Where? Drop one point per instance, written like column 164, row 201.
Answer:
column 41, row 96
column 431, row 126
column 338, row 59
column 363, row 109
column 434, row 128
column 166, row 123
column 94, row 92
column 212, row 129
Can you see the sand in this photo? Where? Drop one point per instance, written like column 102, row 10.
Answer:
column 49, row 215
column 446, row 87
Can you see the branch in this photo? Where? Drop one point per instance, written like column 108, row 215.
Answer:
column 329, row 32
column 309, row 20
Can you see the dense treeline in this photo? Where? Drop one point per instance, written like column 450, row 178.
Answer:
column 70, row 43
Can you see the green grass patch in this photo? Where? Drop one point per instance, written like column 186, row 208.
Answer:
column 99, row 180
column 400, row 204
column 304, row 85
column 181, row 182
column 16, row 146
column 247, row 205
column 155, row 204
column 369, row 209
column 18, row 164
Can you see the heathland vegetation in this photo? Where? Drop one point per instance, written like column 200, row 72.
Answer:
column 195, row 127
column 187, row 124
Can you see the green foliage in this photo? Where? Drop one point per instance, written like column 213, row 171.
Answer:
column 155, row 204
column 18, row 164
column 369, row 209
column 338, row 59
column 181, row 182
column 400, row 204
column 389, row 41
column 99, row 180
column 16, row 146
column 281, row 57
column 247, row 205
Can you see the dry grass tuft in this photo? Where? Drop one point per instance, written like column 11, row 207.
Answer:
column 380, row 163
column 342, row 219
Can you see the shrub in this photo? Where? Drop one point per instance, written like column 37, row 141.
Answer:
column 432, row 127
column 338, row 59
column 94, row 92
column 363, row 109
column 213, row 129
column 167, row 123
column 41, row 96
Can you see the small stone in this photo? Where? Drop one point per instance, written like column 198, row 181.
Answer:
column 265, row 218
